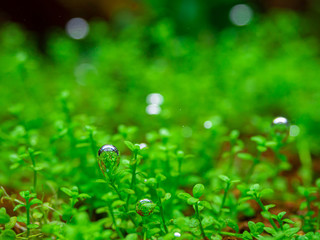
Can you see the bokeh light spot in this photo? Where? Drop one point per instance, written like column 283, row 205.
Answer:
column 240, row 14
column 207, row 124
column 153, row 109
column 77, row 28
column 294, row 130
column 155, row 98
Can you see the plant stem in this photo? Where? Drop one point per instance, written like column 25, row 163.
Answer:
column 231, row 160
column 115, row 223
column 251, row 170
column 28, row 216
column 93, row 145
column 179, row 171
column 231, row 234
column 144, row 229
column 306, row 162
column 133, row 178
column 120, row 197
column 34, row 170
column 277, row 161
column 318, row 220
column 162, row 215
column 265, row 210
column 199, row 219
column 224, row 197
column 281, row 224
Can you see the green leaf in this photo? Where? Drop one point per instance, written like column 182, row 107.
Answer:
column 129, row 191
column 262, row 148
column 18, row 206
column 245, row 156
column 266, row 214
column 129, row 145
column 184, row 196
column 4, row 217
column 37, row 215
column 233, row 225
column 224, row 178
column 205, row 204
column 8, row 234
column 101, row 181
column 303, row 205
column 252, row 226
column 118, row 203
column 22, row 219
column 198, row 190
column 234, row 134
column 35, row 201
column 167, row 196
column 281, row 214
column 25, row 194
column 11, row 223
column 151, row 182
column 161, row 192
column 32, row 226
column 258, row 139
column 154, row 231
column 192, row 200
column 269, row 206
column 193, row 223
column 66, row 191
column 32, row 195
column 246, row 235
column 160, row 177
column 287, row 220
column 260, row 227
column 270, row 230
column 255, row 187
column 291, row 231
column 132, row 236
column 207, row 221
column 83, row 196
column 271, row 144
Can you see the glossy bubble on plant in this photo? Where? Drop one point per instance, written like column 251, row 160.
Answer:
column 145, row 207
column 108, row 148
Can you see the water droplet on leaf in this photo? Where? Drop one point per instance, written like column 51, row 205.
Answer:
column 145, row 207
column 108, row 158
column 280, row 126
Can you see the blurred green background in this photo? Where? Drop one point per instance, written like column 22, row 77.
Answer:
column 239, row 62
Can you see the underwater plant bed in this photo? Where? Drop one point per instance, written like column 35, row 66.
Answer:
column 78, row 187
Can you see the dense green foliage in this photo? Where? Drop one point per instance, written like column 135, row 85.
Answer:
column 59, row 109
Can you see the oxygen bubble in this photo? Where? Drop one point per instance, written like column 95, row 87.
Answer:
column 153, row 109
column 77, row 28
column 294, row 131
column 177, row 234
column 108, row 157
column 207, row 124
column 280, row 126
column 240, row 14
column 145, row 207
column 155, row 98
column 142, row 145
